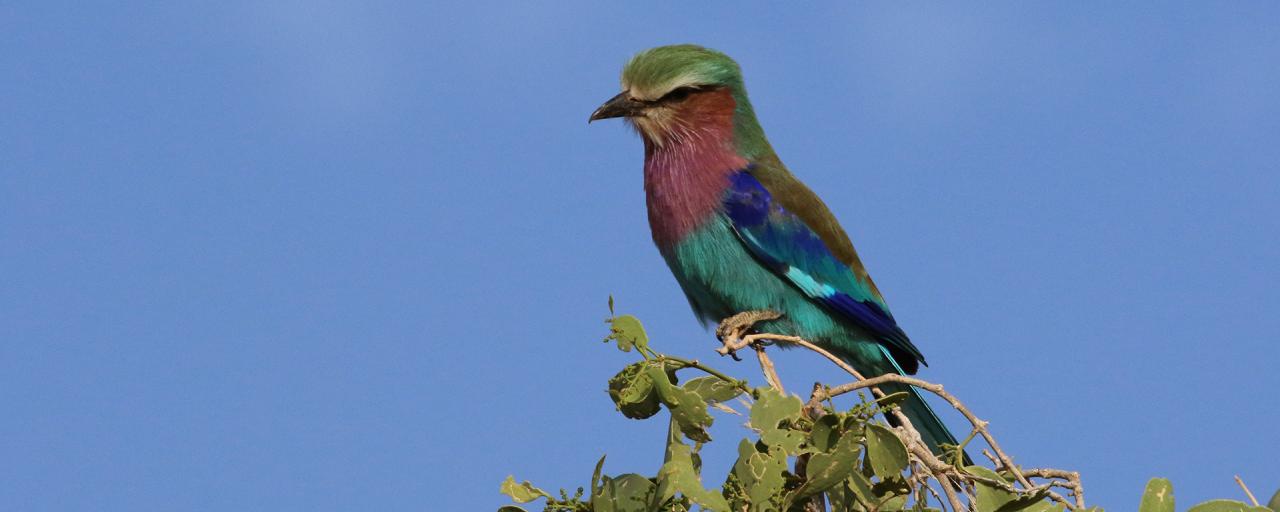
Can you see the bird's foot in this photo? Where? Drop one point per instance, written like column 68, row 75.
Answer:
column 731, row 330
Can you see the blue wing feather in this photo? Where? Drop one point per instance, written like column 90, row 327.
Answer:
column 783, row 242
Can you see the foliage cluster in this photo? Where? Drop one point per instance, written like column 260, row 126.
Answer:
column 799, row 457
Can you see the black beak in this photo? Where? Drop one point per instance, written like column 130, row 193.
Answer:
column 617, row 106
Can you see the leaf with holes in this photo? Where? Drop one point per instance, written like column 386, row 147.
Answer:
column 678, row 475
column 773, row 408
column 687, row 408
column 760, row 473
column 632, row 391
column 628, row 332
column 713, row 389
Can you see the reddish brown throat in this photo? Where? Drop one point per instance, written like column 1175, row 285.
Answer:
column 688, row 118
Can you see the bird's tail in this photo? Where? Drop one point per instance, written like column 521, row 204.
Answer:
column 932, row 431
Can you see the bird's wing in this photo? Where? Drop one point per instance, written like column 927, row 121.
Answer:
column 783, row 241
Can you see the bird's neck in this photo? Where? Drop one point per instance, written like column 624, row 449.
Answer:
column 685, row 177
column 690, row 156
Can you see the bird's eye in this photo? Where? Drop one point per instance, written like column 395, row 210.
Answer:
column 679, row 94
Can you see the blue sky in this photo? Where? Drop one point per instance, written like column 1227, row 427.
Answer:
column 340, row 256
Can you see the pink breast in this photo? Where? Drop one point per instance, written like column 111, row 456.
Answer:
column 683, row 186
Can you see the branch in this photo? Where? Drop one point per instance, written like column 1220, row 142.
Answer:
column 1246, row 491
column 941, row 471
column 1072, row 481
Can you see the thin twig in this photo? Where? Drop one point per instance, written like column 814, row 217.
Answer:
column 992, row 458
column 924, row 484
column 939, row 470
column 770, row 373
column 1072, row 481
column 1246, row 491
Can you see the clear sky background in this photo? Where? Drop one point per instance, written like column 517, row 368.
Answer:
column 355, row 256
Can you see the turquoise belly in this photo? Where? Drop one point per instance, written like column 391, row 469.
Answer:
column 721, row 278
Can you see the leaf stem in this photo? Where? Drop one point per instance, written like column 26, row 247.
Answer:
column 956, row 461
column 688, row 363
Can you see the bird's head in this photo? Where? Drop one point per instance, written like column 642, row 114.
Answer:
column 674, row 92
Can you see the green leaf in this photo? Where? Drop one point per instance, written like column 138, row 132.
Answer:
column 1274, row 504
column 1045, row 506
column 1223, row 506
column 895, row 502
column 892, row 399
column 825, row 432
column 687, row 408
column 768, row 414
column 595, row 475
column 861, row 486
column 840, row 498
column 843, row 498
column 886, row 453
column 624, row 493
column 772, row 408
column 1158, row 496
column 522, row 492
column 989, row 498
column 510, row 508
column 712, row 389
column 787, row 440
column 679, row 476
column 759, row 472
column 628, row 332
column 895, row 485
column 826, row 470
column 632, row 391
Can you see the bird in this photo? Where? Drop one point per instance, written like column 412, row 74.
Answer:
column 741, row 233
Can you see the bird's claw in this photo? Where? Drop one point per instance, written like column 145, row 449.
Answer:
column 732, row 329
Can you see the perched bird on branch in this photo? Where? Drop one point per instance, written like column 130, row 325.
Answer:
column 740, row 232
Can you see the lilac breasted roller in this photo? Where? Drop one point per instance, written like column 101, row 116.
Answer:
column 740, row 232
